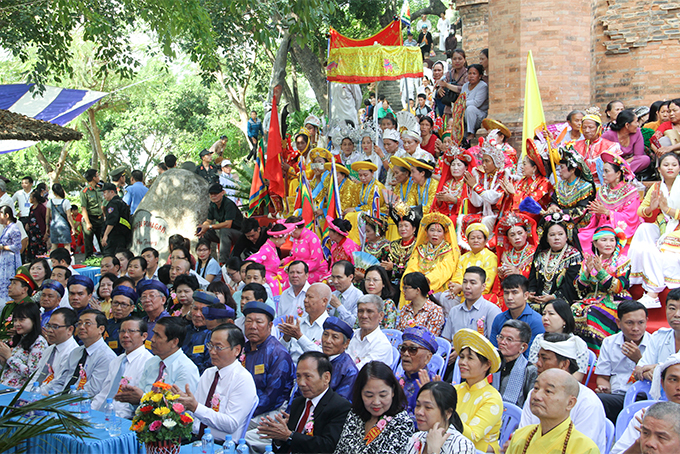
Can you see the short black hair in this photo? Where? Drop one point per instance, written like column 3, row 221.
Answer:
column 67, row 272
column 45, row 265
column 150, row 249
column 249, row 224
column 479, row 271
column 90, row 174
column 98, row 315
column 323, row 363
column 141, row 324
column 233, row 263
column 563, row 309
column 142, row 261
column 127, row 253
column 122, row 280
column 446, row 398
column 70, row 316
column 29, row 178
column 175, row 328
column 515, row 281
column 137, row 175
column 170, row 160
column 164, row 274
column 113, row 258
column 259, row 292
column 217, row 286
column 186, row 279
column 381, row 371
column 674, row 295
column 300, row 262
column 257, row 267
column 422, row 95
column 60, row 254
column 628, row 306
column 234, row 335
column 347, row 267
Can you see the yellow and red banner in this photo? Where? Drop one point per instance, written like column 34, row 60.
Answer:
column 388, row 36
column 359, row 65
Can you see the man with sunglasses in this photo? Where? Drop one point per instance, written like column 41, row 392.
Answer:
column 417, row 347
column 59, row 334
column 127, row 368
column 226, row 392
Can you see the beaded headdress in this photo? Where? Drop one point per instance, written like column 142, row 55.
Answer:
column 493, row 148
column 574, row 159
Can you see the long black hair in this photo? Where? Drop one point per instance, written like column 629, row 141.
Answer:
column 32, row 312
column 381, row 371
column 563, row 309
column 418, row 281
column 624, row 117
column 446, row 398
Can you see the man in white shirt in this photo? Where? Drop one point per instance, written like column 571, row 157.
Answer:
column 151, row 256
column 88, row 365
column 292, row 300
column 424, row 21
column 62, row 274
column 559, row 351
column 127, row 368
column 369, row 343
column 226, row 392
column 663, row 341
column 21, row 198
column 303, row 334
column 618, row 356
column 346, row 295
column 6, row 199
column 59, row 334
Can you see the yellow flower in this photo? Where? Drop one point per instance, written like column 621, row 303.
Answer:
column 161, row 411
column 172, row 396
column 156, row 397
column 146, row 396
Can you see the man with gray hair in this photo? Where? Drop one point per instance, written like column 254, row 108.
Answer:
column 660, row 430
column 303, row 334
column 369, row 343
column 515, row 379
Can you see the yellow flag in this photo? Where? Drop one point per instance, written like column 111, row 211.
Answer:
column 533, row 107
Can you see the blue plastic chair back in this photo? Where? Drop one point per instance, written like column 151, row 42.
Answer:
column 444, row 349
column 512, row 415
column 396, row 359
column 610, row 435
column 643, row 386
column 627, row 414
column 277, row 321
column 394, row 336
column 436, row 366
column 592, row 362
column 456, row 374
column 250, row 416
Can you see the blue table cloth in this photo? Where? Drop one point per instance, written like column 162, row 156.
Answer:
column 100, row 443
column 93, row 272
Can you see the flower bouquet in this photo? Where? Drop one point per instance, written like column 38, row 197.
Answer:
column 5, row 326
column 160, row 421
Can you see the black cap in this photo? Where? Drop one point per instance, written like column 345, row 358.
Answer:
column 215, row 188
column 204, row 152
column 109, row 187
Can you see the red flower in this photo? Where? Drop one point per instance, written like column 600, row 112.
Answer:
column 186, row 419
column 146, row 409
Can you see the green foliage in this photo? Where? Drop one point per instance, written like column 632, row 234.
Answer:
column 296, row 119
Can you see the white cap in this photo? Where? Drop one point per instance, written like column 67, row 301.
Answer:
column 225, row 162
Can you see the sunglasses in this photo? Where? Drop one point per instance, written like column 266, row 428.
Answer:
column 410, row 349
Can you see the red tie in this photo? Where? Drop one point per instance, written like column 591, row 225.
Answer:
column 301, row 425
column 161, row 369
column 208, row 399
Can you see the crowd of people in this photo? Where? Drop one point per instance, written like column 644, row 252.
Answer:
column 455, row 280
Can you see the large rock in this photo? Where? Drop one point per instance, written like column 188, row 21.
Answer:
column 175, row 204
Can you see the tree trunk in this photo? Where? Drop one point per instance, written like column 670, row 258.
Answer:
column 314, row 71
column 296, row 95
column 436, row 8
column 279, row 67
column 95, row 142
column 55, row 175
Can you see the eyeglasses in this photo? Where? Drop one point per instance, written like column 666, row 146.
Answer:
column 211, row 346
column 117, row 303
column 129, row 331
column 500, row 338
column 232, row 273
column 410, row 349
column 51, row 327
column 373, row 281
column 86, row 324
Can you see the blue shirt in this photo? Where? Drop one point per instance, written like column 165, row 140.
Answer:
column 179, row 370
column 410, row 385
column 273, row 371
column 528, row 315
column 135, row 193
column 46, row 317
column 152, row 325
column 344, row 374
column 254, row 129
column 195, row 349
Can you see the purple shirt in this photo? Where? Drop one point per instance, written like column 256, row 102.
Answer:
column 636, row 147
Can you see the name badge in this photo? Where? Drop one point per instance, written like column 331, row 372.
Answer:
column 198, row 349
column 147, row 344
column 113, row 344
column 27, row 205
column 259, row 369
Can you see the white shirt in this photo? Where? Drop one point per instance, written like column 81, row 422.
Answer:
column 60, row 359
column 347, row 312
column 373, row 347
column 6, row 199
column 614, row 364
column 588, row 416
column 311, row 337
column 629, row 436
column 22, row 199
column 134, row 366
column 64, row 300
column 661, row 346
column 290, row 303
column 99, row 357
column 236, row 393
column 179, row 370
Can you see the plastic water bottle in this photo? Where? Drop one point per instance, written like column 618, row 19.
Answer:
column 35, row 391
column 267, row 449
column 242, row 447
column 74, row 407
column 207, row 442
column 99, row 424
column 113, row 422
column 229, row 446
column 85, row 408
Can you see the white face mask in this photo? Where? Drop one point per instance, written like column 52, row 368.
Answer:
column 317, row 166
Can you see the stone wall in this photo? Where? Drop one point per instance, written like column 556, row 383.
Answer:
column 474, row 15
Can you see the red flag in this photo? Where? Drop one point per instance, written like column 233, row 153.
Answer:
column 272, row 168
